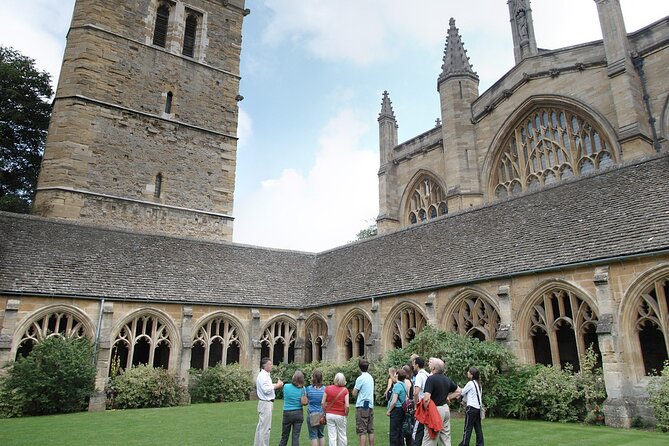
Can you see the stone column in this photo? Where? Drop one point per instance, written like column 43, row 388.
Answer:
column 504, row 332
column 430, row 309
column 373, row 345
column 300, row 336
column 7, row 330
column 617, row 409
column 186, row 345
column 330, row 344
column 98, row 400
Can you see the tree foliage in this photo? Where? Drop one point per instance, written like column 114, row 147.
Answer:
column 24, row 119
column 368, row 232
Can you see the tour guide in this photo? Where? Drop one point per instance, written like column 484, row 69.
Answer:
column 265, row 390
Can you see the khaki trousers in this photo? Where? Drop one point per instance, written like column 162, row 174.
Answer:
column 264, row 423
column 445, row 433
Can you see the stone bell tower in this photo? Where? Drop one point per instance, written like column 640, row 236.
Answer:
column 143, row 134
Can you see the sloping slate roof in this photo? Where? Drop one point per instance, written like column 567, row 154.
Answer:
column 45, row 256
column 617, row 213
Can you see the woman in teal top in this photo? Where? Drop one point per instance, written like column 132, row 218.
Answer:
column 315, row 396
column 294, row 397
column 395, row 411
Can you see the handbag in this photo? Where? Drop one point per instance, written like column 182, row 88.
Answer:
column 315, row 419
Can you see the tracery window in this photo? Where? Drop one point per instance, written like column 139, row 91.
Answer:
column 358, row 330
column 652, row 325
column 475, row 317
column 58, row 323
column 427, row 201
column 143, row 340
column 406, row 325
column 278, row 342
column 216, row 341
column 162, row 22
column 317, row 331
column 548, row 145
column 562, row 327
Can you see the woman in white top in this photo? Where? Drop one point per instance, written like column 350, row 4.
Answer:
column 473, row 395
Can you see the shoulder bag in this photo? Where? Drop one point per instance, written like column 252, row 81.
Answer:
column 482, row 410
column 323, row 421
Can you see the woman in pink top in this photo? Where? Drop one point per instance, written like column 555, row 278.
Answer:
column 335, row 406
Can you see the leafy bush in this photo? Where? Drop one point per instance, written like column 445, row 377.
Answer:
column 221, row 383
column 512, row 391
column 329, row 369
column 590, row 382
column 146, row 386
column 552, row 394
column 56, row 377
column 658, row 391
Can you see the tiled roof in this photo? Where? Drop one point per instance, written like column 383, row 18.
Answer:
column 621, row 212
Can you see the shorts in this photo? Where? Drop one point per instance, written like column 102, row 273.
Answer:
column 315, row 431
column 364, row 421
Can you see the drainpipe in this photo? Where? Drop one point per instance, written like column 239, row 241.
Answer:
column 97, row 331
column 637, row 60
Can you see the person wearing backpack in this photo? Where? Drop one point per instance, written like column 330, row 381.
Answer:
column 395, row 411
column 472, row 395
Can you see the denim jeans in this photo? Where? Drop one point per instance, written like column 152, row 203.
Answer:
column 292, row 419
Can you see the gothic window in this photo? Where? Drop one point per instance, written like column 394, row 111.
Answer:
column 278, row 342
column 562, row 327
column 162, row 21
column 406, row 325
column 317, row 331
column 143, row 340
column 475, row 316
column 652, row 325
column 358, row 330
column 426, row 201
column 56, row 323
column 216, row 341
column 548, row 145
column 189, row 35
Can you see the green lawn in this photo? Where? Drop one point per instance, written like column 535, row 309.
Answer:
column 234, row 424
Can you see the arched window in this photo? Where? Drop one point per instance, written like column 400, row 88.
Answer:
column 216, row 341
column 547, row 145
column 56, row 323
column 143, row 340
column 358, row 331
column 562, row 328
column 317, row 331
column 162, row 21
column 474, row 316
column 652, row 325
column 278, row 342
column 189, row 35
column 407, row 323
column 426, row 201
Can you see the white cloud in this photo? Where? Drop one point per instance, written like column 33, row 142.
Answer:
column 323, row 208
column 244, row 128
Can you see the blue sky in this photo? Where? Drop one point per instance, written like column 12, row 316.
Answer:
column 313, row 72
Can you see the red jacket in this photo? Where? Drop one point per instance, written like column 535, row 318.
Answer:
column 430, row 417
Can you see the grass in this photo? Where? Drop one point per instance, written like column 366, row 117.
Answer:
column 234, row 424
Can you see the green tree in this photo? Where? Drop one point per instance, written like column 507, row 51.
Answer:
column 24, row 118
column 370, row 231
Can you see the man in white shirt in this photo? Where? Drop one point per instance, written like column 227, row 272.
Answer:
column 418, row 393
column 265, row 390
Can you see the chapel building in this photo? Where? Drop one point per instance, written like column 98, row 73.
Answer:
column 534, row 214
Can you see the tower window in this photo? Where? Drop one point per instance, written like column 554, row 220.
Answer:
column 162, row 20
column 168, row 102
column 189, row 35
column 159, row 184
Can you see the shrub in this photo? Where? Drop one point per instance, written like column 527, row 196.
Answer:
column 512, row 391
column 329, row 369
column 552, row 394
column 146, row 386
column 590, row 383
column 221, row 383
column 658, row 391
column 56, row 377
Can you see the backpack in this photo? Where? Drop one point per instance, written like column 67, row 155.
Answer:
column 408, row 406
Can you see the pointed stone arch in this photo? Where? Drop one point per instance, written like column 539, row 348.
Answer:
column 218, row 338
column 547, row 139
column 278, row 339
column 145, row 336
column 644, row 321
column 423, row 199
column 472, row 312
column 403, row 323
column 558, row 324
column 65, row 321
column 355, row 334
column 316, row 337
